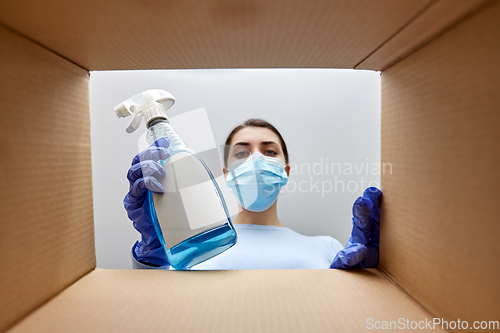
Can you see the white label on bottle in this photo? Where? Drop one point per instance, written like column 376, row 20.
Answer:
column 190, row 204
column 202, row 205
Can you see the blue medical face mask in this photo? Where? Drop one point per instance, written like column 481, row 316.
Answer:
column 256, row 181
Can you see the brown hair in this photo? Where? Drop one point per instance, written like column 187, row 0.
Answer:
column 254, row 122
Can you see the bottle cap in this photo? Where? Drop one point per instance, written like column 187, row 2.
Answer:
column 150, row 104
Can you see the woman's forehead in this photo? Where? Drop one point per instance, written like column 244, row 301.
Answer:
column 255, row 135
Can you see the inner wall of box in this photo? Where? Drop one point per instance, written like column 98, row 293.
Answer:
column 47, row 229
column 439, row 121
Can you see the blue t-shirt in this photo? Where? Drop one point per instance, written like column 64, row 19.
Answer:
column 272, row 247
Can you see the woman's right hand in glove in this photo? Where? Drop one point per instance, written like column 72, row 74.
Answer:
column 143, row 176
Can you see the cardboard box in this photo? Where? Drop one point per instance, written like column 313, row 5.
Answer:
column 440, row 119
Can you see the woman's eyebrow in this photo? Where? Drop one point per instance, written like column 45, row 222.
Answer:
column 263, row 143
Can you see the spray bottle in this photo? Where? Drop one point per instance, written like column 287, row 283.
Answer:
column 191, row 217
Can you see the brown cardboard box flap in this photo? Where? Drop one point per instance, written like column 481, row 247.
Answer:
column 224, row 301
column 434, row 19
column 47, row 225
column 440, row 132
column 127, row 34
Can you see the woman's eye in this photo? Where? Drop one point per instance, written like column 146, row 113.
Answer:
column 242, row 154
column 270, row 152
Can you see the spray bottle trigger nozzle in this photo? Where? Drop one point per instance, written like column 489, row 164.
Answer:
column 166, row 101
column 136, row 119
column 121, row 111
column 151, row 104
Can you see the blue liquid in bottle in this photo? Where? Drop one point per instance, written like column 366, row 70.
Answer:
column 207, row 244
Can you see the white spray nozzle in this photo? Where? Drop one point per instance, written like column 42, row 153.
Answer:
column 151, row 104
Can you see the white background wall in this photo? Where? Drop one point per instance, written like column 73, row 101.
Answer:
column 329, row 118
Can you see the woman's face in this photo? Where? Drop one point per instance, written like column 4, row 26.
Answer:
column 251, row 140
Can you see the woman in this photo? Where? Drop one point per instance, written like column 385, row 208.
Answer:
column 257, row 148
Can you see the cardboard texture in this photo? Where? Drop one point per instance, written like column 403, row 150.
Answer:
column 430, row 22
column 224, row 301
column 46, row 229
column 118, row 34
column 439, row 247
column 440, row 132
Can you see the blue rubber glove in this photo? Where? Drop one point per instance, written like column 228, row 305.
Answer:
column 142, row 176
column 362, row 249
